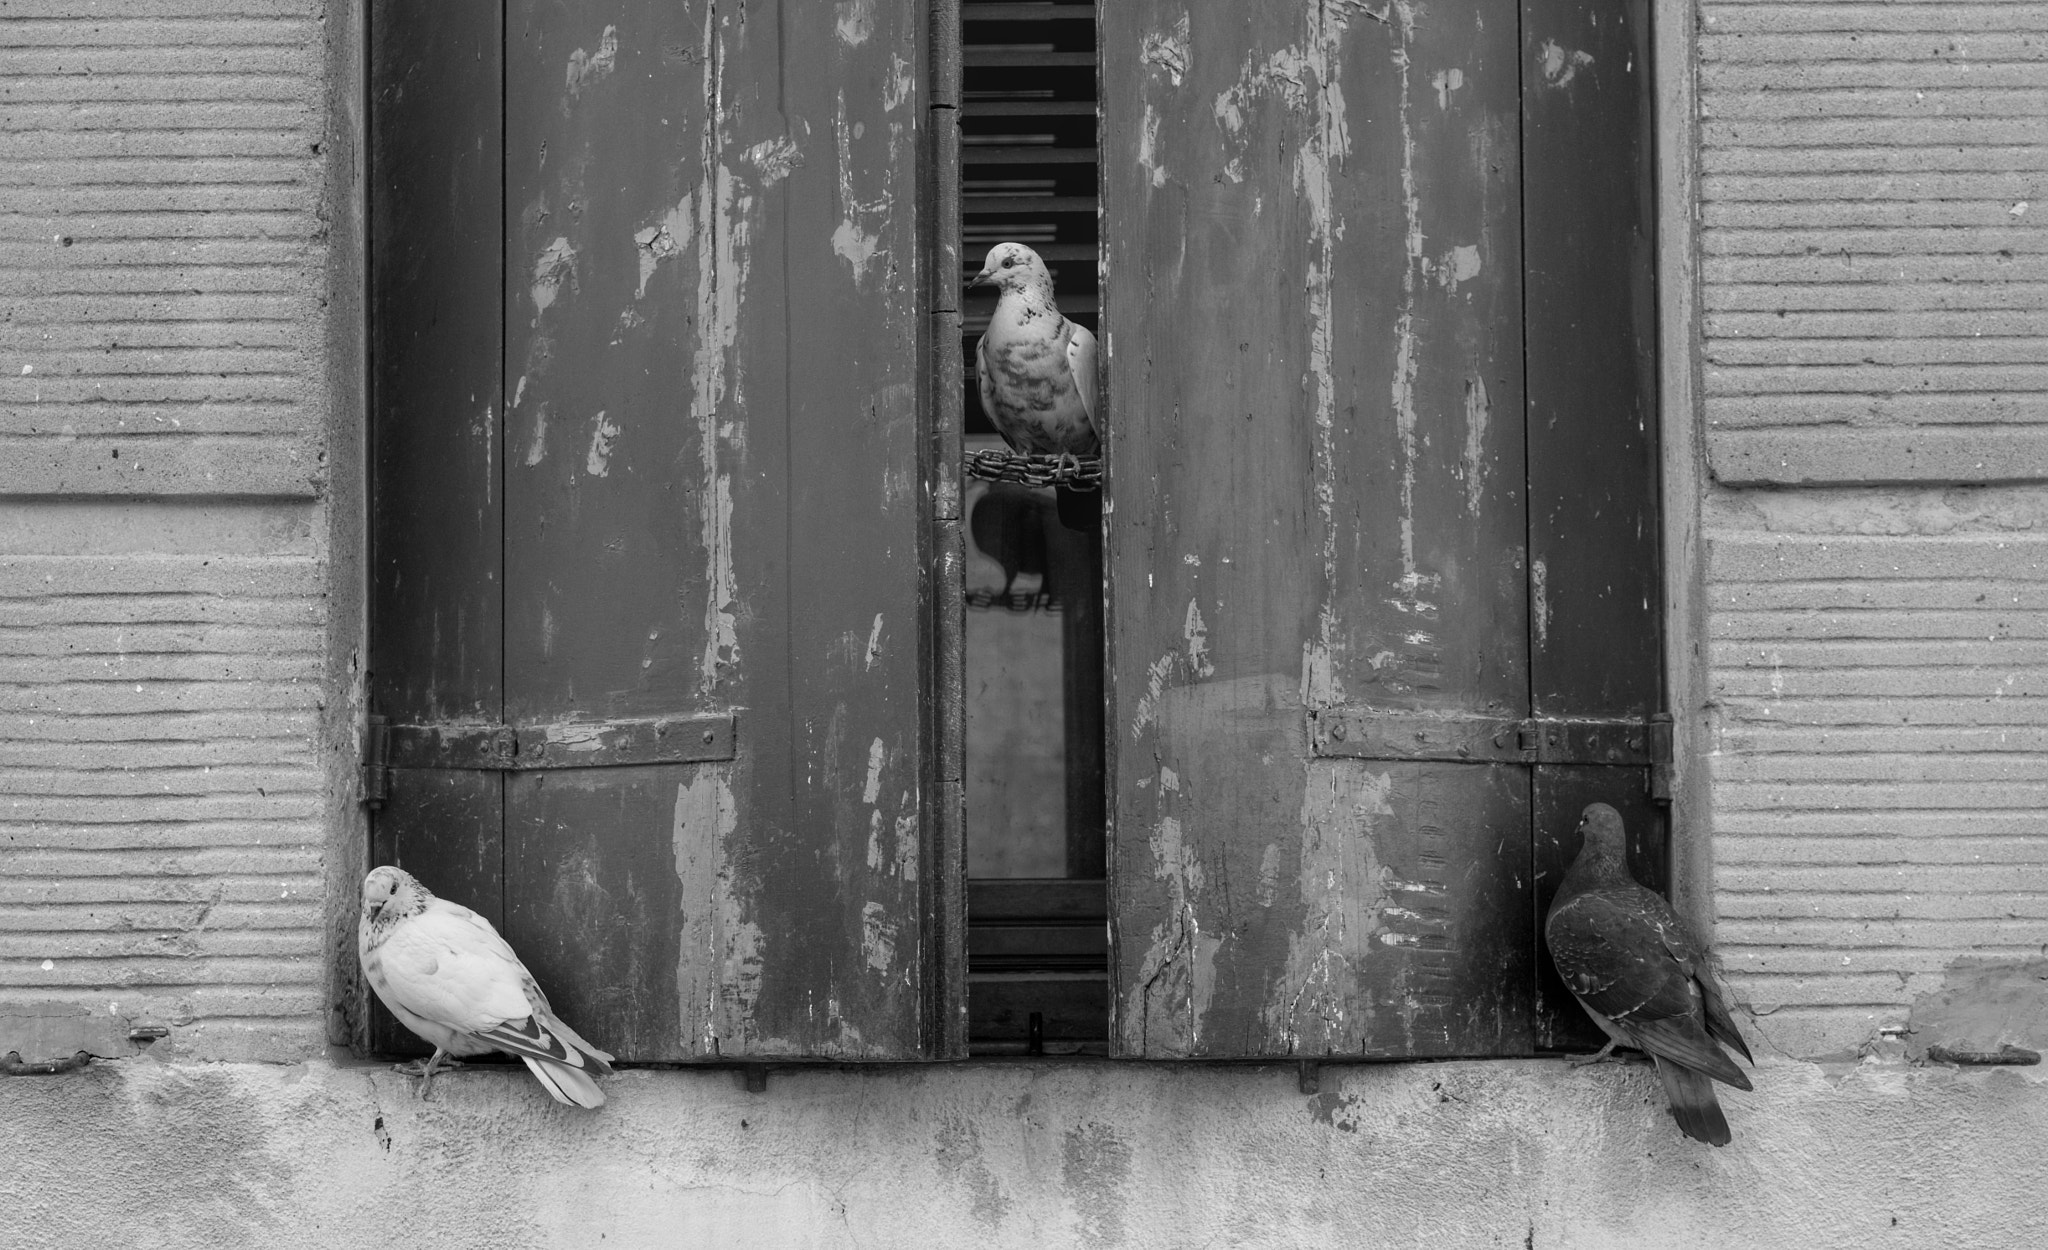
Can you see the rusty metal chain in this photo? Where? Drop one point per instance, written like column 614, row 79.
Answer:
column 998, row 464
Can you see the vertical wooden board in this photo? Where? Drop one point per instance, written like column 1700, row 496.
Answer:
column 607, row 529
column 434, row 173
column 445, row 827
column 598, row 864
column 435, row 602
column 1594, row 532
column 716, row 247
column 1562, row 794
column 1594, row 536
column 1315, row 452
column 828, row 341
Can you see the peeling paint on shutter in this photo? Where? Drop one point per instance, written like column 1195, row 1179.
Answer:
column 707, row 465
column 1314, row 326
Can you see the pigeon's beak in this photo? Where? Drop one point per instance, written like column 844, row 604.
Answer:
column 981, row 279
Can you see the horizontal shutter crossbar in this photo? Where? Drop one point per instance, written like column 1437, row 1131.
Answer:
column 1369, row 734
column 561, row 745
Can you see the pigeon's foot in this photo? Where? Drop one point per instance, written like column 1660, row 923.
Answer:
column 425, row 1069
column 1604, row 1055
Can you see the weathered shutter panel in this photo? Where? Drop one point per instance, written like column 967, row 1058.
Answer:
column 1594, row 531
column 436, row 590
column 708, row 470
column 1314, row 311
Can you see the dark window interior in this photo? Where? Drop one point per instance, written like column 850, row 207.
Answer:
column 1037, row 944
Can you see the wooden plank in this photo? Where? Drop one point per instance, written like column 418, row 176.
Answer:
column 1561, row 797
column 714, row 505
column 1316, row 503
column 445, row 828
column 435, row 441
column 1588, row 216
column 1595, row 543
column 434, row 173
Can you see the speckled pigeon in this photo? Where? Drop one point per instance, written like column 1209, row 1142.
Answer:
column 1631, row 963
column 447, row 975
column 1037, row 370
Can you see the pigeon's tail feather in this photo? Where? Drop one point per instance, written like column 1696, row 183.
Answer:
column 1683, row 1041
column 570, row 1086
column 1693, row 1103
column 593, row 1057
column 1719, row 1022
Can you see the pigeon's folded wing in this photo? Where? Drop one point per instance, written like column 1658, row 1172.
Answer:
column 1613, row 956
column 446, row 965
column 1081, row 363
column 985, row 378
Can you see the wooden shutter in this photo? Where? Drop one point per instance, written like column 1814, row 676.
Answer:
column 648, row 498
column 1342, row 422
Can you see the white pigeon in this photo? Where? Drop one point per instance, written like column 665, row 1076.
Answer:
column 447, row 975
column 1036, row 368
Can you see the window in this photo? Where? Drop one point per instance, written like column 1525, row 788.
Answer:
column 668, row 550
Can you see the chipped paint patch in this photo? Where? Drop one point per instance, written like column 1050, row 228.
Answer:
column 1539, row 597
column 718, row 968
column 1148, row 147
column 1447, row 82
column 664, row 240
column 537, row 446
column 589, row 68
column 1176, row 980
column 1196, row 634
column 604, row 435
column 877, row 938
column 855, row 21
column 857, row 238
column 722, row 236
column 1473, row 464
column 907, row 844
column 902, row 84
column 1269, row 875
column 1561, row 65
column 555, row 265
column 1168, row 52
column 874, row 642
column 877, row 756
column 1156, row 675
column 1312, row 1004
column 1320, row 686
column 1460, row 264
column 774, row 158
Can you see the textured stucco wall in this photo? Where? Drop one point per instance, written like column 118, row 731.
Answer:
column 1873, row 360
column 145, row 1153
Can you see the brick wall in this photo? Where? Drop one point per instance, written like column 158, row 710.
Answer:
column 162, row 580
column 1875, row 379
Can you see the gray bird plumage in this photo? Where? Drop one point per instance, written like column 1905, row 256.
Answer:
column 1639, row 972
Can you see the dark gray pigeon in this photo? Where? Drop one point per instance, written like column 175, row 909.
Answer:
column 1634, row 967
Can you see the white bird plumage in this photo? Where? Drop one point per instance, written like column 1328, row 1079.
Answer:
column 447, row 975
column 1035, row 367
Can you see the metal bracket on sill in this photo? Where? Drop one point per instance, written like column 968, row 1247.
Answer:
column 1367, row 734
column 540, row 747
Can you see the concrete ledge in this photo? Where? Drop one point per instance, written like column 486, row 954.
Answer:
column 1842, row 456
column 1446, row 1155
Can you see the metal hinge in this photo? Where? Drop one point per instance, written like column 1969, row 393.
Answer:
column 539, row 747
column 1660, row 758
column 376, row 761
column 1370, row 734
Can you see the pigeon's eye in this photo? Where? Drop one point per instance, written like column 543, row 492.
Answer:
column 1009, row 261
